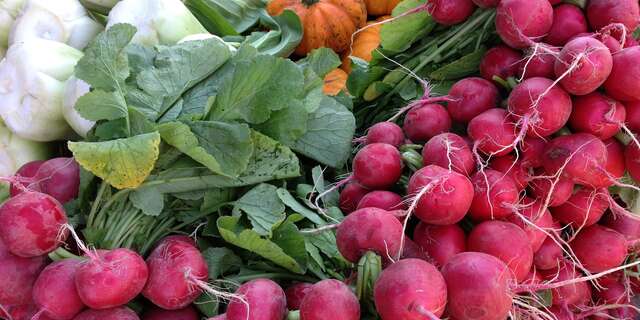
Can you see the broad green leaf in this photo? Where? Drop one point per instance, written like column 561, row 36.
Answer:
column 232, row 17
column 286, row 125
column 284, row 35
column 101, row 105
column 465, row 66
column 123, row 163
column 207, row 304
column 321, row 61
column 330, row 131
column 224, row 148
column 235, row 234
column 288, row 237
column 398, row 35
column 214, row 199
column 263, row 207
column 362, row 76
column 326, row 242
column 221, row 261
column 105, row 65
column 149, row 200
column 294, row 205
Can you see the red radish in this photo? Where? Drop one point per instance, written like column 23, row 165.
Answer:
column 21, row 312
column 575, row 294
column 495, row 196
column 539, row 64
column 17, row 276
column 25, row 178
column 500, row 61
column 597, row 114
column 541, row 189
column 624, row 313
column 632, row 161
column 561, row 313
column 411, row 250
column 296, row 293
column 534, row 213
column 31, row 224
column 478, row 286
column 449, row 150
column 555, row 2
column 443, row 197
column 541, row 107
column 486, row 3
column 581, row 157
column 424, row 122
column 568, row 21
column 489, row 237
column 369, row 229
column 583, row 209
column 419, row 296
column 440, row 242
column 119, row 313
column 385, row 200
column 520, row 21
column 615, row 158
column 513, row 168
column 583, row 65
column 176, row 267
column 623, row 83
column 265, row 300
column 633, row 115
column 188, row 313
column 631, row 42
column 450, row 12
column 548, row 256
column 55, row 290
column 351, row 196
column 385, row 132
column 59, row 178
column 629, row 226
column 493, row 132
column 603, row 12
column 613, row 293
column 470, row 97
column 219, row 317
column 111, row 278
column 377, row 166
column 599, row 248
column 531, row 151
column 330, row 299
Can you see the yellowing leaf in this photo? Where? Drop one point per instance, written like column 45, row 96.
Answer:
column 123, row 163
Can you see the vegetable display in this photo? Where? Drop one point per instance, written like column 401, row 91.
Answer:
column 319, row 159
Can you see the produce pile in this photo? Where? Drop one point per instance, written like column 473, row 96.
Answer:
column 319, row 159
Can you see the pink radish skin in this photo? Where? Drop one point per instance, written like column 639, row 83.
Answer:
column 613, row 293
column 489, row 237
column 603, row 12
column 470, row 97
column 547, row 257
column 478, row 287
column 540, row 188
column 633, row 116
column 25, row 176
column 450, row 12
column 59, row 178
column 111, row 278
column 500, row 61
column 449, row 150
column 385, row 200
column 615, row 158
column 534, row 214
column 514, row 169
column 622, row 83
column 424, row 122
column 296, row 293
column 575, row 294
column 220, row 317
column 624, row 313
column 599, row 248
column 377, row 166
column 598, row 115
column 493, row 132
column 400, row 297
column 486, row 3
column 440, row 243
column 583, row 209
column 173, row 266
column 538, row 64
column 531, row 151
column 632, row 160
column 495, row 195
column 31, row 224
column 55, row 290
column 412, row 250
column 625, row 224
column 350, row 196
column 447, row 198
column 369, row 229
column 518, row 22
column 330, row 299
column 188, row 313
column 385, row 132
column 543, row 115
column 568, row 21
column 581, row 157
column 17, row 276
column 265, row 298
column 120, row 313
column 594, row 64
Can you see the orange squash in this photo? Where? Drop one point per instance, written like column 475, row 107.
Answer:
column 334, row 82
column 364, row 43
column 380, row 7
column 326, row 23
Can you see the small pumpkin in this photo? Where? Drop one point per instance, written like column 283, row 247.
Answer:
column 364, row 43
column 334, row 82
column 326, row 23
column 380, row 7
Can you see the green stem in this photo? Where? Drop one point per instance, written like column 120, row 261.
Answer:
column 96, row 203
column 293, row 315
column 273, row 275
column 61, row 254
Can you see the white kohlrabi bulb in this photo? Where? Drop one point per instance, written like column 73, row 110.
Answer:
column 9, row 9
column 32, row 82
column 15, row 151
column 74, row 89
